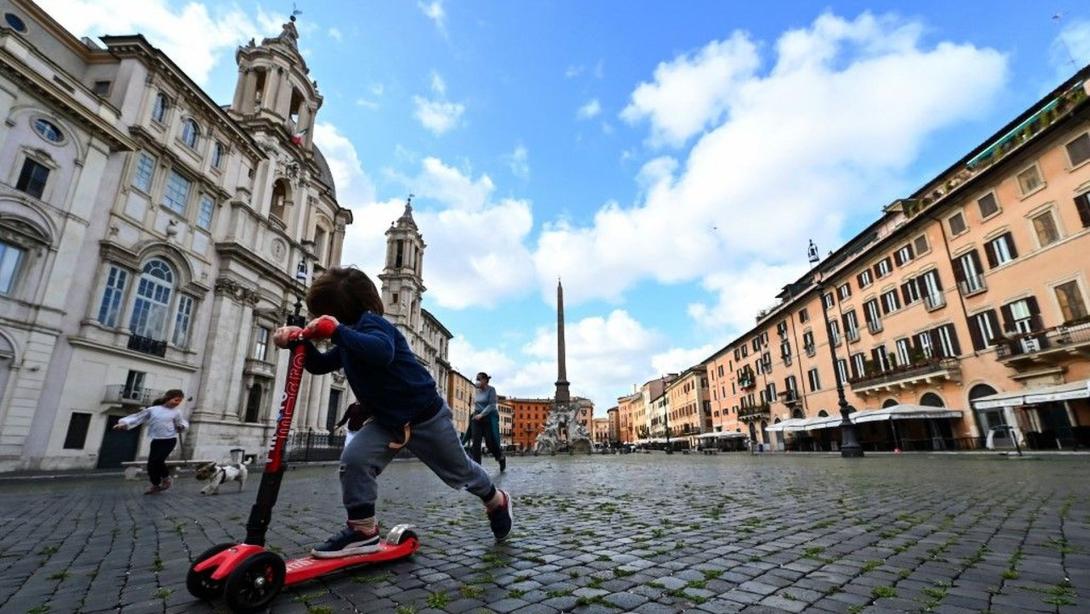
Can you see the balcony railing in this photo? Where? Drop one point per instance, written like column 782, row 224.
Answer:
column 1073, row 336
column 754, row 412
column 934, row 301
column 973, row 284
column 147, row 345
column 922, row 370
column 127, row 395
column 747, row 381
column 874, row 326
column 852, row 334
column 789, row 396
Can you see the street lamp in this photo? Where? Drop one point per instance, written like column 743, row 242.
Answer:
column 297, row 318
column 849, row 440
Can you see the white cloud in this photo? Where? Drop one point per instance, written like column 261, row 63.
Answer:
column 434, row 11
column 438, row 86
column 335, row 34
column 1070, row 50
column 438, row 116
column 574, row 71
column 518, row 161
column 353, row 184
column 377, row 89
column 589, row 110
column 786, row 155
column 676, row 360
column 192, row 35
column 741, row 294
column 367, row 104
column 469, row 360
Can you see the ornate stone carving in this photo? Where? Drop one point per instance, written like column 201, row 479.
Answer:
column 236, row 291
column 563, row 432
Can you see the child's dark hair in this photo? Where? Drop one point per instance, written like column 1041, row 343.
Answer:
column 345, row 294
column 173, row 393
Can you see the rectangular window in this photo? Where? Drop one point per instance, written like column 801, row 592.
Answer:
column 873, row 315
column 10, row 258
column 177, row 193
column 1029, row 180
column 32, row 178
column 144, row 172
column 134, row 385
column 101, row 88
column 756, row 344
column 957, row 223
column 76, row 436
column 217, row 155
column 1070, row 299
column 1044, row 225
column 883, row 268
column 984, row 329
column 969, row 273
column 842, row 371
column 903, row 255
column 864, row 279
column 921, row 245
column 834, row 330
column 109, row 309
column 815, row 380
column 926, row 344
column 989, row 206
column 159, row 110
column 785, row 349
column 932, row 289
column 881, row 359
column 204, row 215
column 1078, row 150
column 182, row 320
column 830, row 301
column 261, row 343
column 890, row 302
column 859, row 365
column 1000, row 250
column 804, row 317
column 948, row 341
column 904, row 353
column 910, row 291
column 844, row 291
column 1021, row 316
column 1082, row 206
column 851, row 325
column 808, row 342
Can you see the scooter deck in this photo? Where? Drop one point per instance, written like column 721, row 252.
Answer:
column 309, row 567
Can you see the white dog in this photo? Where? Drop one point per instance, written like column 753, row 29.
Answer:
column 216, row 474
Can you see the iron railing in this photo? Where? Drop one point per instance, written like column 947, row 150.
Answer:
column 874, row 326
column 973, row 284
column 147, row 345
column 1076, row 333
column 311, row 446
column 934, row 301
column 129, row 395
column 916, row 369
column 754, row 412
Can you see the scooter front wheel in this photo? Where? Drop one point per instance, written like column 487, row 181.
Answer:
column 255, row 582
column 200, row 583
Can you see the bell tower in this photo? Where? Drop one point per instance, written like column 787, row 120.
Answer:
column 273, row 85
column 402, row 277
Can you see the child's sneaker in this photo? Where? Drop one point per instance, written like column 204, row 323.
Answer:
column 347, row 543
column 500, row 517
column 165, row 484
column 153, row 490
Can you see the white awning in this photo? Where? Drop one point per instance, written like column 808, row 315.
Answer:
column 1046, row 394
column 905, row 412
column 818, row 423
column 784, row 426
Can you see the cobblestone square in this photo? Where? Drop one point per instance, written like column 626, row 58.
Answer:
column 642, row 533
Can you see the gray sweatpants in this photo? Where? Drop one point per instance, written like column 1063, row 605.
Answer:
column 434, row 442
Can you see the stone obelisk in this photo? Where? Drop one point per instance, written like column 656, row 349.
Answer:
column 562, row 393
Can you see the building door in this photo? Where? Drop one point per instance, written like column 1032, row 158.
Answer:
column 117, row 446
column 332, row 409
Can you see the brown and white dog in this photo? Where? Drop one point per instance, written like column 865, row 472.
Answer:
column 216, row 474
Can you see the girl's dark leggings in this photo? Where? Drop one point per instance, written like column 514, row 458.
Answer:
column 490, row 432
column 157, row 459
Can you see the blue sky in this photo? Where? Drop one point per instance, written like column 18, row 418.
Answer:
column 668, row 160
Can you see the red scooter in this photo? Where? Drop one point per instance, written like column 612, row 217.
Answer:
column 247, row 575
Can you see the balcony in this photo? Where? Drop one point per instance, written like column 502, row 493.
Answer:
column 874, row 326
column 126, row 395
column 852, row 335
column 973, row 285
column 1049, row 346
column 754, row 413
column 254, row 366
column 747, row 381
column 147, row 345
column 934, row 301
column 789, row 397
column 923, row 372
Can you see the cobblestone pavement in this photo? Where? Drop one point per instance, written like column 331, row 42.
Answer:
column 644, row 533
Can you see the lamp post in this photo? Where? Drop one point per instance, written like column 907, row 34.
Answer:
column 849, row 439
column 297, row 319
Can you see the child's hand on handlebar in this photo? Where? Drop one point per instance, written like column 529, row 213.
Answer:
column 321, row 327
column 284, row 335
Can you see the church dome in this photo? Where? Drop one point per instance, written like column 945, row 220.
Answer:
column 324, row 174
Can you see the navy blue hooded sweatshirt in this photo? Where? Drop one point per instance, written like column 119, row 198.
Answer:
column 381, row 369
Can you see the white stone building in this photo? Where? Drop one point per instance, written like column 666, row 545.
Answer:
column 402, row 290
column 152, row 239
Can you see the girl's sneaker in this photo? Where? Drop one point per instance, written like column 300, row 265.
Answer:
column 347, row 543
column 153, row 490
column 165, row 484
column 500, row 518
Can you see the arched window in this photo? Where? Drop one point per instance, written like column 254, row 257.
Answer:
column 7, row 358
column 932, row 400
column 823, row 414
column 159, row 108
column 190, row 133
column 797, row 413
column 152, row 302
column 279, row 199
column 889, row 403
column 48, row 130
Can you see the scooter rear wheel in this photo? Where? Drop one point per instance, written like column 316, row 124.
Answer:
column 255, row 582
column 200, row 583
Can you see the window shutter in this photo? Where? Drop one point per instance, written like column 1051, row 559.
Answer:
column 909, row 249
column 976, row 261
column 1082, row 204
column 1009, row 238
column 936, row 342
column 876, row 272
column 1035, row 314
column 885, row 306
column 954, row 339
column 1008, row 319
column 974, row 332
column 994, row 321
column 959, row 270
column 989, row 253
column 904, row 292
column 938, row 279
column 897, row 258
column 859, row 280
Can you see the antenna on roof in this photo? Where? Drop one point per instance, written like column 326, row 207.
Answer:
column 294, row 11
column 1058, row 18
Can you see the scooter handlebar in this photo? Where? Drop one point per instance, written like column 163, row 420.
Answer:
column 322, row 328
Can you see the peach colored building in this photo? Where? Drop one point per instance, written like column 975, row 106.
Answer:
column 963, row 308
column 507, row 421
column 630, row 412
column 460, row 399
column 529, row 420
column 600, row 435
column 614, row 418
column 688, row 405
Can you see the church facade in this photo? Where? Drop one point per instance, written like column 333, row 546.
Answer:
column 152, row 239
